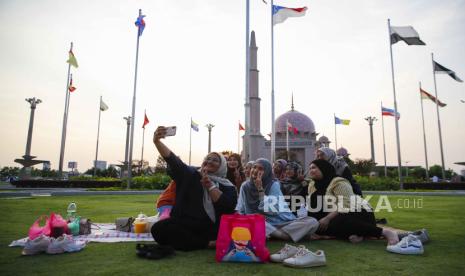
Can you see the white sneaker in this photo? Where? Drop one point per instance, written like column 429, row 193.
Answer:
column 409, row 245
column 64, row 243
column 286, row 252
column 36, row 246
column 306, row 258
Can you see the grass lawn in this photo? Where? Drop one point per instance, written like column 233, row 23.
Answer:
column 444, row 217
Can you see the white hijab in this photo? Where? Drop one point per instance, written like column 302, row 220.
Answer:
column 217, row 178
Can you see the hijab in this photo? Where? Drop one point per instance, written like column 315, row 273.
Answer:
column 338, row 162
column 328, row 172
column 250, row 191
column 217, row 178
column 282, row 163
column 292, row 185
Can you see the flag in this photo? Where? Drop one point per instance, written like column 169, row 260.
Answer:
column 441, row 69
column 290, row 127
column 194, row 126
column 280, row 14
column 103, row 106
column 338, row 121
column 389, row 112
column 72, row 59
column 426, row 95
column 241, row 127
column 71, row 88
column 140, row 23
column 146, row 120
column 406, row 34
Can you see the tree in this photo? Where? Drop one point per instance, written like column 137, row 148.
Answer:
column 363, row 166
column 9, row 171
column 436, row 170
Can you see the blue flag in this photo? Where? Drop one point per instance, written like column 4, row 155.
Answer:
column 140, row 23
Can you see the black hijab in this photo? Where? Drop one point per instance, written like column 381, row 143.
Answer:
column 328, row 172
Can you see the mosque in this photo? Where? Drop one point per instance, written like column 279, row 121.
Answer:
column 302, row 142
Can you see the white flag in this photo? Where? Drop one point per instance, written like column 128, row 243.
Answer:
column 406, row 34
column 103, row 106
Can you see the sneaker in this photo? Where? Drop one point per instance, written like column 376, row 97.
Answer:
column 409, row 245
column 421, row 234
column 286, row 252
column 64, row 243
column 306, row 258
column 37, row 245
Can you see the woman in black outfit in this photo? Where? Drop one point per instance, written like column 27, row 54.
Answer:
column 346, row 222
column 202, row 196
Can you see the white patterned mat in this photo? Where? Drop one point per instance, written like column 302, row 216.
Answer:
column 102, row 232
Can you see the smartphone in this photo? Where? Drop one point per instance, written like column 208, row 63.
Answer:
column 170, row 131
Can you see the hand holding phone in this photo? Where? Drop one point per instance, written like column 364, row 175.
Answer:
column 170, row 131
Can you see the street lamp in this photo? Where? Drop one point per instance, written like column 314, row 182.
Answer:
column 27, row 160
column 209, row 127
column 370, row 120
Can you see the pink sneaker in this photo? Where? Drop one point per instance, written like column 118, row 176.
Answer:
column 37, row 245
column 64, row 243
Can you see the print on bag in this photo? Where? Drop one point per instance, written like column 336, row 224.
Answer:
column 241, row 238
column 240, row 249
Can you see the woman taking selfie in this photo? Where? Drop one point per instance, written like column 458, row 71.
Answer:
column 202, row 196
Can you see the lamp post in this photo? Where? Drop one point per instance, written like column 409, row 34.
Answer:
column 33, row 102
column 209, row 127
column 27, row 160
column 370, row 120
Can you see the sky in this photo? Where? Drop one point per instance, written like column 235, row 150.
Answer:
column 335, row 60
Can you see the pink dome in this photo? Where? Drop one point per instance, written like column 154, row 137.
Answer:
column 297, row 119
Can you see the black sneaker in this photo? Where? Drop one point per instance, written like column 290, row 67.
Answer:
column 153, row 251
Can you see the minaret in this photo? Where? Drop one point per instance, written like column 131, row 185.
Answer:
column 254, row 100
column 254, row 140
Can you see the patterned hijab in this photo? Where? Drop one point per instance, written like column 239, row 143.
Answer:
column 282, row 163
column 338, row 162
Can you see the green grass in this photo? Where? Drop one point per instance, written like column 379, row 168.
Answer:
column 444, row 217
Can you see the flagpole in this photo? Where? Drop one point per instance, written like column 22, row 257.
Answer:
column 133, row 118
column 143, row 138
column 384, row 144
column 287, row 140
column 335, row 131
column 424, row 135
column 98, row 134
column 439, row 121
column 399, row 162
column 238, row 138
column 65, row 121
column 246, row 145
column 190, row 142
column 273, row 132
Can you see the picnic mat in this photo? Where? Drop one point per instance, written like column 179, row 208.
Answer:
column 102, row 232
